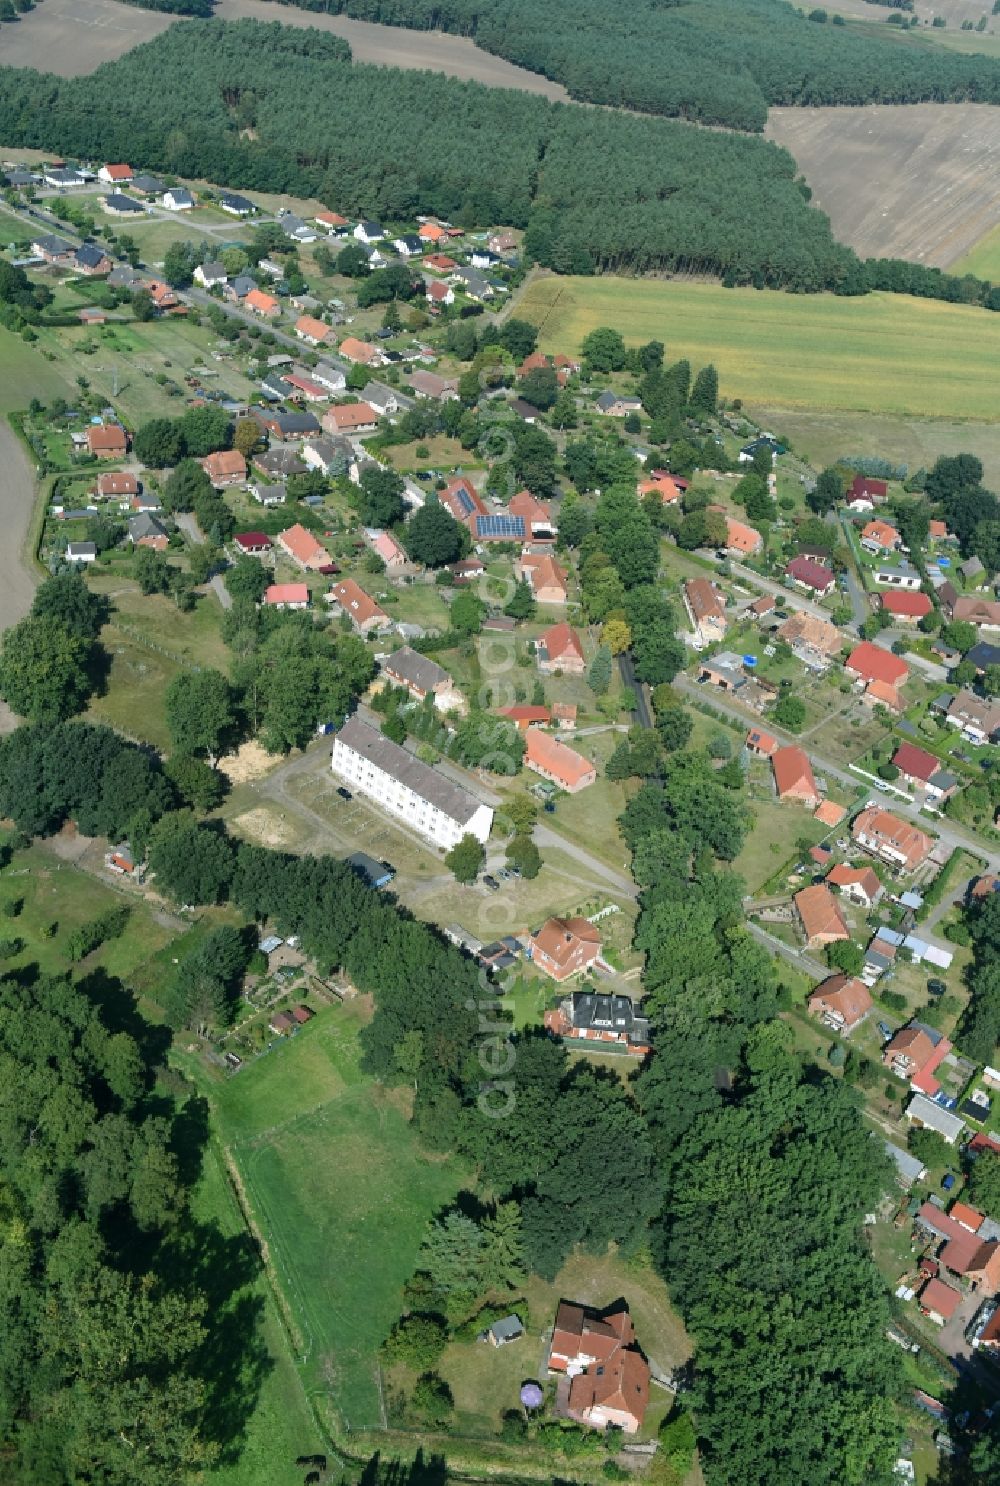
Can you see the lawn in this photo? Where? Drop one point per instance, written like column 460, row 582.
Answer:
column 342, row 1191
column 443, row 453
column 771, row 842
column 882, row 353
column 58, row 899
column 25, row 373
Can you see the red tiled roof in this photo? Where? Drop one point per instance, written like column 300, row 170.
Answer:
column 810, row 572
column 916, row 762
column 872, row 663
column 906, row 605
column 302, row 545
column 820, row 913
column 880, row 532
column 967, row 1216
column 561, row 640
column 793, row 774
column 941, row 1298
column 864, row 877
column 524, row 715
column 569, row 767
column 287, row 593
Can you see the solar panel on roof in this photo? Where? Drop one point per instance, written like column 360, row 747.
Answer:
column 465, row 500
column 500, row 526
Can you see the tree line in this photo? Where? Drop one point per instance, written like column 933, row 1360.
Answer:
column 714, row 61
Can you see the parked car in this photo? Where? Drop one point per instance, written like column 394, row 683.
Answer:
column 491, row 883
column 345, row 794
column 885, row 1030
column 936, row 988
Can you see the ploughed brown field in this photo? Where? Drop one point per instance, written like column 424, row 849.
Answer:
column 918, row 181
column 73, row 37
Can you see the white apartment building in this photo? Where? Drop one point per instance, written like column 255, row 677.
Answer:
column 422, row 797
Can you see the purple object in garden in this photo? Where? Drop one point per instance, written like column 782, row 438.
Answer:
column 531, row 1395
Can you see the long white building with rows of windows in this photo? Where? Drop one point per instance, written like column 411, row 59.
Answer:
column 422, row 797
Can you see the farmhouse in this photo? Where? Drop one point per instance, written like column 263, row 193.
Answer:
column 922, row 771
column 820, row 916
column 287, row 596
column 559, row 649
column 601, row 1017
column 302, row 547
column 841, row 1002
column 564, row 946
column 364, row 613
column 424, row 799
column 544, row 576
column 806, row 572
column 608, row 1375
column 706, row 609
column 226, row 467
column 793, row 776
column 895, row 841
column 535, row 514
column 461, row 500
column 557, row 763
column 422, row 678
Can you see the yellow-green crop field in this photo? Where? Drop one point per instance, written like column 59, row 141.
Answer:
column 881, row 353
column 984, row 259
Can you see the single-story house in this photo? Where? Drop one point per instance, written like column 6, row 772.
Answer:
column 922, row 771
column 287, row 596
column 793, row 776
column 820, row 916
column 559, row 649
column 807, row 573
column 556, row 762
column 760, row 743
column 236, row 206
column 939, row 1301
column 303, row 548
column 253, row 543
column 364, row 613
column 906, row 608
column 350, row 417
column 860, row 884
column 81, row 552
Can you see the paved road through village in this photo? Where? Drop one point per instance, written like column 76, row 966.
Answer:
column 17, row 580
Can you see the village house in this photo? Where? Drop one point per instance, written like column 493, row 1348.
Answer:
column 313, row 331
column 384, row 545
column 814, row 641
column 983, row 613
column 423, row 798
column 387, row 401
column 761, row 744
column 91, row 261
column 705, row 604
column 52, row 249
column 894, row 841
column 497, row 527
column 422, row 678
column 330, row 374
column 806, row 572
column 881, row 672
column 928, row 1115
column 879, row 536
column 285, row 428
column 225, row 467
column 428, row 384
column 81, row 552
column 607, row 1375
column 262, row 304
column 600, row 1017
column 842, row 1002
column 350, row 418
column 116, row 484
column 741, row 540
column 431, row 232
column 253, row 543
column 177, row 199
column 211, row 275
column 300, row 387
column 861, row 884
column 906, row 608
column 369, row 232
column 899, row 576
column 438, row 293
column 864, row 493
column 555, row 762
column 666, row 487
column 975, row 1260
column 107, row 441
column 617, row 404
column 724, row 670
column 114, row 175
column 535, row 514
column 278, row 464
column 364, row 613
column 236, row 206
column 118, row 205
column 332, row 221
column 564, row 946
column 287, row 596
column 793, row 777
column 829, row 813
column 303, row 548
column 145, row 531
column 820, row 916
column 544, row 576
column 559, row 649
column 329, row 456
column 923, row 772
column 461, row 500
column 914, row 1054
column 977, row 717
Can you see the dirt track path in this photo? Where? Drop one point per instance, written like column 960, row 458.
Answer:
column 17, row 495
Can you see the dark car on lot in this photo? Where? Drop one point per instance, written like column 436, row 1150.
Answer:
column 492, row 884
column 345, row 794
column 936, row 987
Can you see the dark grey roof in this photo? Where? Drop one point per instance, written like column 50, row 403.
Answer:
column 49, row 243
column 372, row 229
column 179, row 193
column 451, row 799
column 236, row 203
column 415, row 669
column 373, row 872
column 90, row 255
column 411, row 241
column 124, row 277
column 145, row 525
column 329, row 372
column 275, row 386
column 120, row 203
column 148, row 183
column 507, row 1329
column 983, row 655
column 601, row 1011
column 242, row 285
column 294, row 422
column 281, row 462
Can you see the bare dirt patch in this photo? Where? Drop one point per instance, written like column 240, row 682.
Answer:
column 267, row 827
column 918, row 181
column 249, row 762
column 73, row 37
